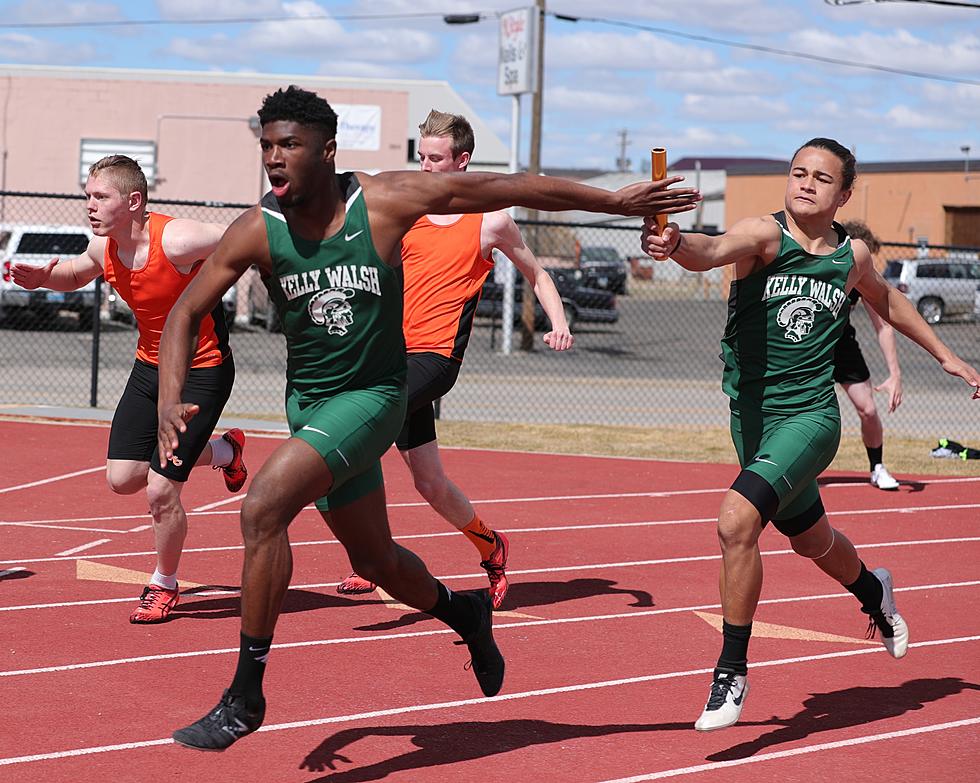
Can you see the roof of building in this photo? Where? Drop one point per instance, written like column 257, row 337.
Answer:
column 709, row 163
column 780, row 167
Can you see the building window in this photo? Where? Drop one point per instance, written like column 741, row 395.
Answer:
column 143, row 152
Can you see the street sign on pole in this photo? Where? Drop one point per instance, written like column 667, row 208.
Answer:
column 516, row 66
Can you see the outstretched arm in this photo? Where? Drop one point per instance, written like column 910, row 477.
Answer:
column 749, row 239
column 63, row 275
column 245, row 243
column 896, row 309
column 396, row 199
column 503, row 235
column 892, row 385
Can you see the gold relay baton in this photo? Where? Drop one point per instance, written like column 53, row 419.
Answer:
column 658, row 170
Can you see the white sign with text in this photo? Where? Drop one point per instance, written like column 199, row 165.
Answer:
column 516, row 68
column 358, row 126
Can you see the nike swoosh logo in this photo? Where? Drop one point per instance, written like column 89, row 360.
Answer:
column 256, row 649
column 489, row 539
column 767, row 461
column 738, row 702
column 839, row 262
column 349, row 237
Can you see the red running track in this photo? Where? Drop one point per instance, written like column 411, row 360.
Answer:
column 608, row 633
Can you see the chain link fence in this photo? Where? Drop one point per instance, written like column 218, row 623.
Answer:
column 647, row 334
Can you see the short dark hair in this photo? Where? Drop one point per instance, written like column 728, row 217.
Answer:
column 858, row 229
column 847, row 159
column 295, row 104
column 125, row 173
column 454, row 126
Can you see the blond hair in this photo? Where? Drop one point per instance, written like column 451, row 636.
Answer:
column 455, row 126
column 125, row 173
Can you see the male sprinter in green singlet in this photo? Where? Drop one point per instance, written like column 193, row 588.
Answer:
column 788, row 307
column 321, row 241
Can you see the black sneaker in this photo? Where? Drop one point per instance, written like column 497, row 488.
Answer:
column 231, row 720
column 485, row 658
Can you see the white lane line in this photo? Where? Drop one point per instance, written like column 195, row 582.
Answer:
column 225, row 502
column 60, row 527
column 517, row 531
column 439, row 631
column 139, row 528
column 839, row 513
column 51, row 480
column 83, row 547
column 414, row 708
column 782, row 754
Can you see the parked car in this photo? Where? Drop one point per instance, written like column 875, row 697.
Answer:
column 37, row 245
column 938, row 288
column 581, row 303
column 603, row 267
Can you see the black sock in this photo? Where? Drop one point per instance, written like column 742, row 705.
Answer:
column 456, row 610
column 874, row 455
column 868, row 590
column 735, row 648
column 252, row 656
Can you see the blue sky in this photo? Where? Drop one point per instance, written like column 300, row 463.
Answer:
column 695, row 97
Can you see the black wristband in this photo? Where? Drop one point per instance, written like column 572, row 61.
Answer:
column 680, row 236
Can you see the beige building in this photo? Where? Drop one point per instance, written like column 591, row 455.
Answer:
column 938, row 201
column 195, row 133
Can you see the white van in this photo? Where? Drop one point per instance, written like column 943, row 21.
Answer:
column 37, row 245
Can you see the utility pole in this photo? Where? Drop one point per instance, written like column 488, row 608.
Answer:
column 534, row 167
column 623, row 164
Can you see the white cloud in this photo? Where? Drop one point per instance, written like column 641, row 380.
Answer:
column 59, row 11
column 572, row 99
column 640, row 51
column 899, row 49
column 20, row 48
column 311, row 37
column 217, row 9
column 719, row 81
column 741, row 108
column 903, row 117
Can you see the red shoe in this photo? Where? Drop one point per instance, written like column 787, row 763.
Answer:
column 155, row 605
column 235, row 471
column 355, row 585
column 494, row 567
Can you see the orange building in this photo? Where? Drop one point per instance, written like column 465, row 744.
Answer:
column 905, row 201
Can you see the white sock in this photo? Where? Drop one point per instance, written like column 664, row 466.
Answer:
column 161, row 580
column 221, row 452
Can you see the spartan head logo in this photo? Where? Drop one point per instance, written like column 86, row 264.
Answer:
column 330, row 308
column 797, row 316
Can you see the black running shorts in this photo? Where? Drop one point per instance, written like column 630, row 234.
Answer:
column 134, row 425
column 849, row 364
column 430, row 376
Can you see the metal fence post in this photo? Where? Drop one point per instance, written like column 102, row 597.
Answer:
column 93, row 399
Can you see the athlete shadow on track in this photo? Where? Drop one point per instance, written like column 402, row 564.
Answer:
column 527, row 595
column 22, row 573
column 218, row 607
column 847, row 708
column 911, row 486
column 453, row 743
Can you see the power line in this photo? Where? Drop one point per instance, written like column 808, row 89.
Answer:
column 772, row 50
column 952, row 3
column 484, row 15
column 233, row 20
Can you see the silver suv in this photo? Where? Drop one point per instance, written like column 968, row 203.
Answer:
column 939, row 289
column 37, row 245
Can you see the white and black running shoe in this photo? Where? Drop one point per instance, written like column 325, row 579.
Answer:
column 728, row 692
column 887, row 620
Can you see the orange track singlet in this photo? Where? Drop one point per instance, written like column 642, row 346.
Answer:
column 444, row 273
column 151, row 292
